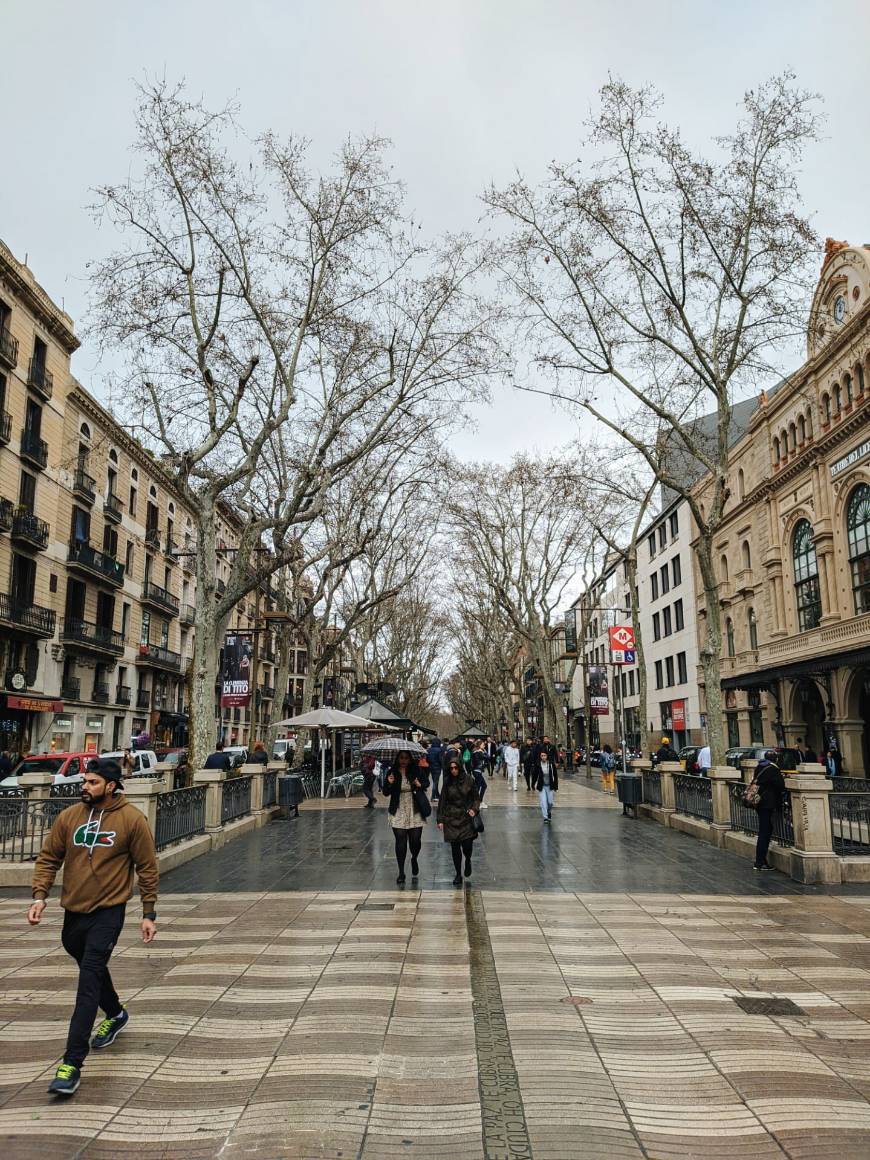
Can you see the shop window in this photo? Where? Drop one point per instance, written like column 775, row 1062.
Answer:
column 806, row 577
column 858, row 534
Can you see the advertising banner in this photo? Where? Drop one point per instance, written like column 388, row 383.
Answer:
column 622, row 650
column 571, row 632
column 236, row 673
column 599, row 705
column 678, row 714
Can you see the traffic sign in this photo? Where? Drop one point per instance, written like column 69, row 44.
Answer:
column 622, row 650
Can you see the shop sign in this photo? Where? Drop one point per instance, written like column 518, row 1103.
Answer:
column 236, row 676
column 678, row 714
column 856, row 454
column 63, row 724
column 94, row 723
column 34, row 704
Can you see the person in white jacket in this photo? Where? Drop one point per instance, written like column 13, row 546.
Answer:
column 512, row 763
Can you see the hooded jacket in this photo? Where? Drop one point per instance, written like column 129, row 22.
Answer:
column 98, row 850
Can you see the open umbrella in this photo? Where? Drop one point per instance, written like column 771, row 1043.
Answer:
column 329, row 719
column 387, row 748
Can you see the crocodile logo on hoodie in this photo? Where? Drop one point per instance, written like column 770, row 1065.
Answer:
column 89, row 834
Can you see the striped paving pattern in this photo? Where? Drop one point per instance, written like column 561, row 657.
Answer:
column 308, row 1025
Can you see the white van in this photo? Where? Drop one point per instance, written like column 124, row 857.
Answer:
column 144, row 761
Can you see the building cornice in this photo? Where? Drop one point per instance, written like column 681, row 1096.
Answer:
column 55, row 322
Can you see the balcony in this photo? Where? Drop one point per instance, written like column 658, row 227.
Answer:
column 143, row 699
column 71, row 689
column 171, row 547
column 5, row 426
column 100, row 693
column 95, row 637
column 152, row 538
column 28, row 530
column 40, row 379
column 7, row 511
column 8, row 348
column 154, row 656
column 112, row 508
column 34, row 449
column 84, row 558
column 268, row 692
column 188, row 614
column 159, row 597
column 123, row 695
column 26, row 617
column 84, row 485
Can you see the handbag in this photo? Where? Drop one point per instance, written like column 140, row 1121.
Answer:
column 477, row 824
column 421, row 803
column 752, row 796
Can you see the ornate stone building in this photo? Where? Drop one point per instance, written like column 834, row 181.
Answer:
column 794, row 551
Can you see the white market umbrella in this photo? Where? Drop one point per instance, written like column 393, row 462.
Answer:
column 331, row 719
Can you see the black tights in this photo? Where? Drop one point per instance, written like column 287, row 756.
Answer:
column 404, row 839
column 457, row 849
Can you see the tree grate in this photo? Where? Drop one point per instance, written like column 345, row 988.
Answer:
column 375, row 906
column 767, row 1006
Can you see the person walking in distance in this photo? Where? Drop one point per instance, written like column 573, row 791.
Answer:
column 771, row 787
column 405, row 786
column 457, row 805
column 705, row 761
column 478, row 771
column 607, row 764
column 99, row 844
column 436, row 759
column 546, row 782
column 526, row 762
column 512, row 763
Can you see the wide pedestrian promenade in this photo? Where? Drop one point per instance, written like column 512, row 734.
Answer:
column 604, row 988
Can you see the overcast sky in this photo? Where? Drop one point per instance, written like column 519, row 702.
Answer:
column 468, row 91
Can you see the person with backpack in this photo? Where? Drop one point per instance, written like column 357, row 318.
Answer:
column 769, row 785
column 607, row 765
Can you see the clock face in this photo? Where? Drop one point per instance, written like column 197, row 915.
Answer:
column 18, row 682
column 839, row 308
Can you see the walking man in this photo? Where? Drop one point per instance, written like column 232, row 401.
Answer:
column 546, row 781
column 435, row 757
column 705, row 760
column 99, row 844
column 512, row 763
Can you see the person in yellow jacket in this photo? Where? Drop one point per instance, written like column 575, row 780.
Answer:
column 99, row 843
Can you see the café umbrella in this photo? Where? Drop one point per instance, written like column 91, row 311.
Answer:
column 330, row 721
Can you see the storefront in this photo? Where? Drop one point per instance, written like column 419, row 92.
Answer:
column 61, row 734
column 19, row 724
column 93, row 734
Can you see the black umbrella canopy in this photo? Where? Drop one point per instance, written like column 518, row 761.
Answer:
column 388, row 748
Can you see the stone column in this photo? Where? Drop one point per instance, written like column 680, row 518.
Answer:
column 748, row 768
column 812, row 857
column 38, row 785
column 142, row 793
column 669, row 798
column 722, row 777
column 256, row 772
column 213, row 780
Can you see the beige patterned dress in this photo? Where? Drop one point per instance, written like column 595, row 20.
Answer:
column 406, row 816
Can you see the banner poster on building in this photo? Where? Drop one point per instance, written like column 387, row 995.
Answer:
column 236, row 673
column 599, row 705
column 571, row 632
column 678, row 714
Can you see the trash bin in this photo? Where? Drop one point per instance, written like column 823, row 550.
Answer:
column 290, row 794
column 629, row 790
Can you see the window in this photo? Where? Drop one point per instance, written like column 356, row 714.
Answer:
column 658, row 674
column 652, row 547
column 826, row 408
column 125, row 627
column 733, row 730
column 164, row 634
column 27, row 492
column 674, row 522
column 663, row 536
column 654, row 585
column 746, row 555
column 128, row 559
column 665, row 578
column 40, row 351
column 729, row 636
column 741, row 484
column 676, row 572
column 132, row 504
column 669, row 671
column 837, row 400
column 657, row 626
column 723, row 568
column 802, row 429
column 678, row 616
column 110, row 541
column 624, row 684
column 752, row 621
column 858, row 534
column 146, row 626
column 631, row 682
column 682, row 672
column 668, row 626
column 776, row 453
column 81, row 526
column 806, row 577
column 792, row 436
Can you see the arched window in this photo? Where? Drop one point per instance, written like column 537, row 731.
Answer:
column 783, row 438
column 837, row 399
column 752, row 621
column 806, row 577
column 859, row 373
column 826, row 408
column 723, row 567
column 113, row 455
column 858, row 533
column 792, row 436
column 741, row 484
column 746, row 555
column 776, row 452
column 802, row 430
column 729, row 636
column 85, row 431
column 809, row 424
column 847, row 380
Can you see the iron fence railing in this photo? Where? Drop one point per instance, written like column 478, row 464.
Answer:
column 180, row 815
column 270, row 788
column 24, row 824
column 235, row 798
column 745, row 819
column 694, row 796
column 850, row 818
column 652, row 787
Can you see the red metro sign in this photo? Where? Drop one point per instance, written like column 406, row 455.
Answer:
column 622, row 649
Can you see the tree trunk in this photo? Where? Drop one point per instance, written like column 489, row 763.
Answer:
column 631, row 561
column 284, row 637
column 207, row 631
column 711, row 649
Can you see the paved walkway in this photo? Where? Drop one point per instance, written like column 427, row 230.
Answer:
column 594, row 1021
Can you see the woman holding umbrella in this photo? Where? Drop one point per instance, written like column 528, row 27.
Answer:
column 405, row 786
column 457, row 806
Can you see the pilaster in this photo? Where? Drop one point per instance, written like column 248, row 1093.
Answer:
column 38, row 785
column 812, row 858
column 212, row 779
column 142, row 793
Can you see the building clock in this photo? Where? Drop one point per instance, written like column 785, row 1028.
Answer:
column 839, row 308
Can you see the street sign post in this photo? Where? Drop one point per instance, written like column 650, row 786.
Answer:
column 622, row 648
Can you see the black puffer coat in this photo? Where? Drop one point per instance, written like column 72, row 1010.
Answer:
column 458, row 796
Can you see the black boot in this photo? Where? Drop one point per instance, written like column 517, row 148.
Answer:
column 457, row 881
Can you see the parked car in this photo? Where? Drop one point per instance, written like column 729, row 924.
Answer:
column 280, row 747
column 65, row 768
column 238, row 755
column 144, row 761
column 787, row 759
column 688, row 756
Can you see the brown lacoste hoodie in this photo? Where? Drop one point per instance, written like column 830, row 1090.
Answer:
column 98, row 850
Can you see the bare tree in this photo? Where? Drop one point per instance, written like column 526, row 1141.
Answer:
column 674, row 279
column 278, row 325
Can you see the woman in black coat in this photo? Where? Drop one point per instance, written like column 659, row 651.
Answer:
column 405, row 786
column 457, row 805
column 771, row 786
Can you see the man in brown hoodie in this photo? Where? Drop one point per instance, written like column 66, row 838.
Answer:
column 99, row 843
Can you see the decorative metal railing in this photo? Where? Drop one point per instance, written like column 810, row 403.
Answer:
column 652, row 787
column 24, row 824
column 235, row 798
column 270, row 788
column 694, row 796
column 850, row 817
column 180, row 815
column 745, row 819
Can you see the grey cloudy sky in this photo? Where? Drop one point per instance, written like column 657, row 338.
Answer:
column 468, row 91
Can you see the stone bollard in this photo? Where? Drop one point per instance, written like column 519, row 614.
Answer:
column 213, row 780
column 256, row 772
column 38, row 785
column 142, row 793
column 722, row 777
column 669, row 797
column 812, row 856
column 748, row 766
